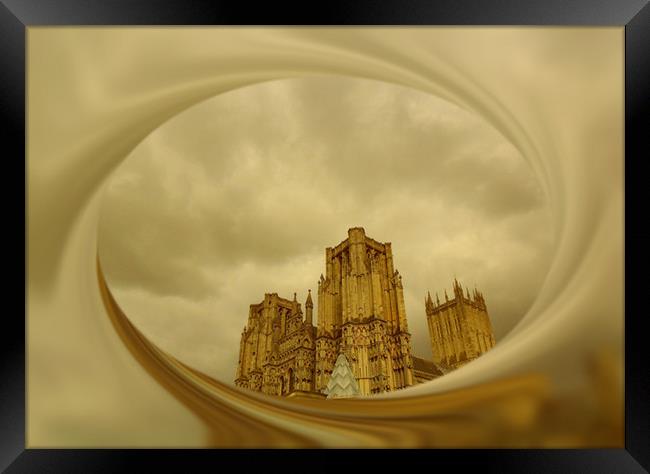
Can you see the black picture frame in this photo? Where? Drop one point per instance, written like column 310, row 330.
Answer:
column 17, row 15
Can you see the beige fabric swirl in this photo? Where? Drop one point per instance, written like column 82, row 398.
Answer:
column 95, row 93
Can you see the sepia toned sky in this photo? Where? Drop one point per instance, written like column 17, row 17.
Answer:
column 240, row 195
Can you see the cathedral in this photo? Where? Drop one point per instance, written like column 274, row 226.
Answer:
column 459, row 328
column 277, row 349
column 361, row 323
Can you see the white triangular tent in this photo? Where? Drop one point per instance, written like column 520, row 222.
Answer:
column 342, row 383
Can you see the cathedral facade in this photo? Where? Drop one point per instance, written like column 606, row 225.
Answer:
column 361, row 315
column 459, row 328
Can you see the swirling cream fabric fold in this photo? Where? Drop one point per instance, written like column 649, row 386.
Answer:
column 95, row 93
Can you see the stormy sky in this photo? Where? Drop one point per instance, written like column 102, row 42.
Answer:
column 240, row 195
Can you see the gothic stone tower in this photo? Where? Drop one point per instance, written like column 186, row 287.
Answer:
column 277, row 348
column 361, row 313
column 460, row 328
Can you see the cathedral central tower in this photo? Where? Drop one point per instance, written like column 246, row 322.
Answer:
column 361, row 313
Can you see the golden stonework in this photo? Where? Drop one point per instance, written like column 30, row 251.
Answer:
column 361, row 314
column 460, row 328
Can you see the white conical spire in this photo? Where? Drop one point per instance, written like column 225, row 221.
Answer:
column 342, row 383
